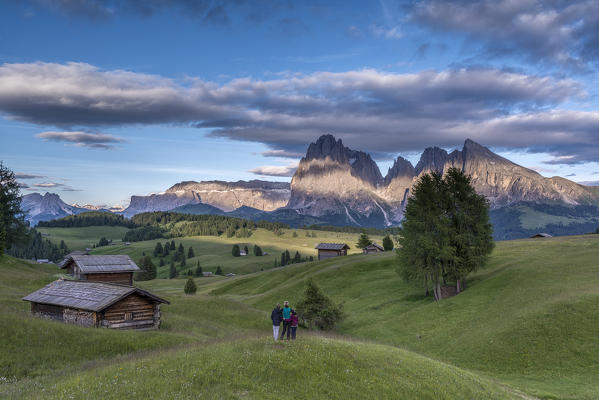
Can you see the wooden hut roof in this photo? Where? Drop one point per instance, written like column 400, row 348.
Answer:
column 91, row 296
column 541, row 235
column 101, row 264
column 373, row 244
column 332, row 246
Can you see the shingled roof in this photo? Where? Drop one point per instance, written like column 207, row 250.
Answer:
column 101, row 264
column 91, row 296
column 331, row 246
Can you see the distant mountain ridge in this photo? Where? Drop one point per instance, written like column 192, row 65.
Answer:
column 336, row 185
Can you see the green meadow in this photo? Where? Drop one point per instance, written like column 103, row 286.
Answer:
column 210, row 251
column 526, row 327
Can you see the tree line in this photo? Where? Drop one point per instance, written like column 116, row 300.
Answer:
column 91, row 218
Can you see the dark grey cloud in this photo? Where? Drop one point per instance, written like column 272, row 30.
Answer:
column 275, row 170
column 372, row 110
column 22, row 175
column 557, row 31
column 102, row 141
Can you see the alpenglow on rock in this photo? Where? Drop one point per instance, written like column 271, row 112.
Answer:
column 344, row 186
column 227, row 196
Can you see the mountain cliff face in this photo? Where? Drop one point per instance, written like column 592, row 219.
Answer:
column 46, row 207
column 227, row 196
column 346, row 186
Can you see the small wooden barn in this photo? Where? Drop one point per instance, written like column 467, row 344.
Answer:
column 97, row 304
column 540, row 235
column 328, row 250
column 373, row 248
column 104, row 268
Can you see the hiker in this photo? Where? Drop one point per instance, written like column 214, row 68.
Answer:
column 277, row 316
column 294, row 321
column 286, row 320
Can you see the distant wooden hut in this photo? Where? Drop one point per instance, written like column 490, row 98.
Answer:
column 104, row 268
column 540, row 235
column 373, row 248
column 328, row 250
column 97, row 304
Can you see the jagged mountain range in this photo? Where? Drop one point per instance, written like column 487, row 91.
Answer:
column 337, row 185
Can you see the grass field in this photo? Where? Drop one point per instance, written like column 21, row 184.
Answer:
column 210, row 251
column 529, row 321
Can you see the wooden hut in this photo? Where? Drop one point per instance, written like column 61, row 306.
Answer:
column 373, row 248
column 105, row 268
column 97, row 304
column 328, row 250
column 540, row 235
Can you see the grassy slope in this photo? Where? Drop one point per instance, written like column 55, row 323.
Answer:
column 531, row 318
column 80, row 238
column 213, row 251
column 199, row 353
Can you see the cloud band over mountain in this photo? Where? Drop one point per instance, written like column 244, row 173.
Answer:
column 377, row 111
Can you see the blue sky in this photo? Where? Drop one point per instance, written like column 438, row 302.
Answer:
column 100, row 100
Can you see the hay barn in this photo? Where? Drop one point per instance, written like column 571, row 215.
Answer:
column 96, row 304
column 373, row 248
column 105, row 268
column 328, row 250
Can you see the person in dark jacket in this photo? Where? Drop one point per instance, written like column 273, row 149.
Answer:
column 276, row 316
column 294, row 322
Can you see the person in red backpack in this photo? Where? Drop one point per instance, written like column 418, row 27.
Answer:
column 293, row 322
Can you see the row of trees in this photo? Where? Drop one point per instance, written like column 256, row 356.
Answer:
column 36, row 246
column 236, row 250
column 91, row 218
column 364, row 241
column 286, row 259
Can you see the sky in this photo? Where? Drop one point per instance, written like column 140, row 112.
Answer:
column 101, row 100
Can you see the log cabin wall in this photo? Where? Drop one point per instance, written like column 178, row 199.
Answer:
column 323, row 254
column 133, row 312
column 47, row 311
column 124, row 278
column 79, row 317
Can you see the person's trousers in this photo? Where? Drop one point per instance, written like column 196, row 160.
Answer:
column 275, row 331
column 293, row 330
column 286, row 328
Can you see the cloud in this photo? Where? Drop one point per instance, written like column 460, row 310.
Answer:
column 275, row 170
column 102, row 141
column 21, row 175
column 282, row 154
column 387, row 33
column 372, row 110
column 53, row 185
column 561, row 31
column 569, row 175
column 589, row 183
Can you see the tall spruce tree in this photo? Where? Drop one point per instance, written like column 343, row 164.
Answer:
column 297, row 258
column 147, row 269
column 446, row 233
column 13, row 227
column 235, row 250
column 387, row 243
column 364, row 241
column 190, row 253
column 190, row 286
column 158, row 249
column 172, row 272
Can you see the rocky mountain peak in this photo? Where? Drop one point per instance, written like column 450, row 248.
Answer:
column 401, row 168
column 327, row 146
column 432, row 159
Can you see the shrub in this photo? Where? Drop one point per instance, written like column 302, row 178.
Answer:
column 235, row 250
column 316, row 310
column 190, row 286
column 387, row 243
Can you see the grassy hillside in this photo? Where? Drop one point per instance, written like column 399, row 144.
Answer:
column 81, row 238
column 208, row 347
column 531, row 318
column 210, row 251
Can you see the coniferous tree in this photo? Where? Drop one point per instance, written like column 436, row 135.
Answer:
column 147, row 270
column 181, row 249
column 316, row 310
column 173, row 247
column 276, row 264
column 235, row 250
column 172, row 273
column 165, row 249
column 363, row 241
column 190, row 253
column 219, row 271
column 288, row 259
column 247, row 251
column 387, row 243
column 283, row 259
column 446, row 233
column 199, row 271
column 182, row 258
column 311, row 258
column 161, row 264
column 297, row 258
column 190, row 286
column 103, row 242
column 158, row 249
column 257, row 250
column 13, row 227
